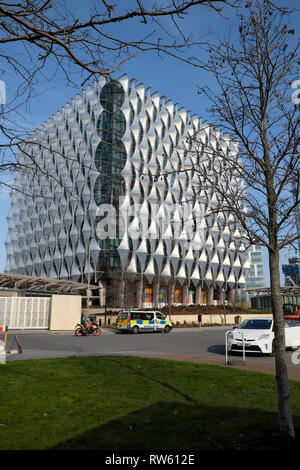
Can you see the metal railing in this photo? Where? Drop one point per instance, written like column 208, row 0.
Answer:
column 226, row 346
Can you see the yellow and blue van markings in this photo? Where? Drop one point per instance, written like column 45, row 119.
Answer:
column 155, row 323
column 123, row 322
column 149, row 322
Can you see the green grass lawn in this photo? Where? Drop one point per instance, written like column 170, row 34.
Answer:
column 128, row 403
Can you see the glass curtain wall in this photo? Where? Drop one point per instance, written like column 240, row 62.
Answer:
column 110, row 159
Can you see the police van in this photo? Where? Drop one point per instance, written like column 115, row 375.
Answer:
column 135, row 321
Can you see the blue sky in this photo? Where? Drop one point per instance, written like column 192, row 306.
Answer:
column 177, row 80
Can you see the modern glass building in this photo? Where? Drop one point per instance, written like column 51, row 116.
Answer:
column 256, row 277
column 291, row 272
column 297, row 210
column 118, row 201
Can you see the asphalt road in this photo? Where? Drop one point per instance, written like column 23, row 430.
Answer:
column 206, row 341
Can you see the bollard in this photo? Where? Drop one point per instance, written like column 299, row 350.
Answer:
column 3, row 345
column 19, row 348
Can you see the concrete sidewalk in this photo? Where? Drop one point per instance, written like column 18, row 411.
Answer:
column 256, row 366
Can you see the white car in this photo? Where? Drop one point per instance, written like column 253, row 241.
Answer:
column 258, row 335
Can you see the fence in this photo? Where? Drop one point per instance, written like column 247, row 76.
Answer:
column 25, row 312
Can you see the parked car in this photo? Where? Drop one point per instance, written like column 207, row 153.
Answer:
column 258, row 336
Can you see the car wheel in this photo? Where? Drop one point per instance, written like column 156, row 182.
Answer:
column 272, row 353
column 167, row 329
column 135, row 330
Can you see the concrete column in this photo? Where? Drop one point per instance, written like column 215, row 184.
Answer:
column 102, row 294
column 185, row 294
column 155, row 293
column 89, row 294
column 237, row 296
column 231, row 297
column 139, row 293
column 130, row 293
column 170, row 294
column 221, row 296
column 114, row 293
column 198, row 291
column 120, row 297
column 210, row 296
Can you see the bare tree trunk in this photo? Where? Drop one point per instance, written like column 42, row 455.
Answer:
column 251, row 106
column 284, row 405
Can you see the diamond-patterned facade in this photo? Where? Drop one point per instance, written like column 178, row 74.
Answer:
column 121, row 145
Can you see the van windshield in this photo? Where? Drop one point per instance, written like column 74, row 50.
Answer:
column 123, row 315
column 160, row 316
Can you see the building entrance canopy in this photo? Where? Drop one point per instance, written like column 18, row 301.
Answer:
column 286, row 290
column 42, row 284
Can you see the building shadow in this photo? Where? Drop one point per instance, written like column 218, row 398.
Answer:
column 182, row 423
column 184, row 426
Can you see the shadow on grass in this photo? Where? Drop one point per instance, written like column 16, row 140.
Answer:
column 176, row 425
column 181, row 423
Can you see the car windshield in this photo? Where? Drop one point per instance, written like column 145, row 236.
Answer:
column 262, row 324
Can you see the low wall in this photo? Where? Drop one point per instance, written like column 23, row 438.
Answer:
column 65, row 312
column 207, row 319
column 230, row 318
column 102, row 319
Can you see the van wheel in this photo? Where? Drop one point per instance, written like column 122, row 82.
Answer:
column 167, row 329
column 135, row 330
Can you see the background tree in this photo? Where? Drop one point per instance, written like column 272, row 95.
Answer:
column 251, row 105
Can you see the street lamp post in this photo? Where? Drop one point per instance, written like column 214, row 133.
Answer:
column 224, row 297
column 89, row 274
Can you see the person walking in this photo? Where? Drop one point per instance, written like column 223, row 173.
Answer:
column 200, row 320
